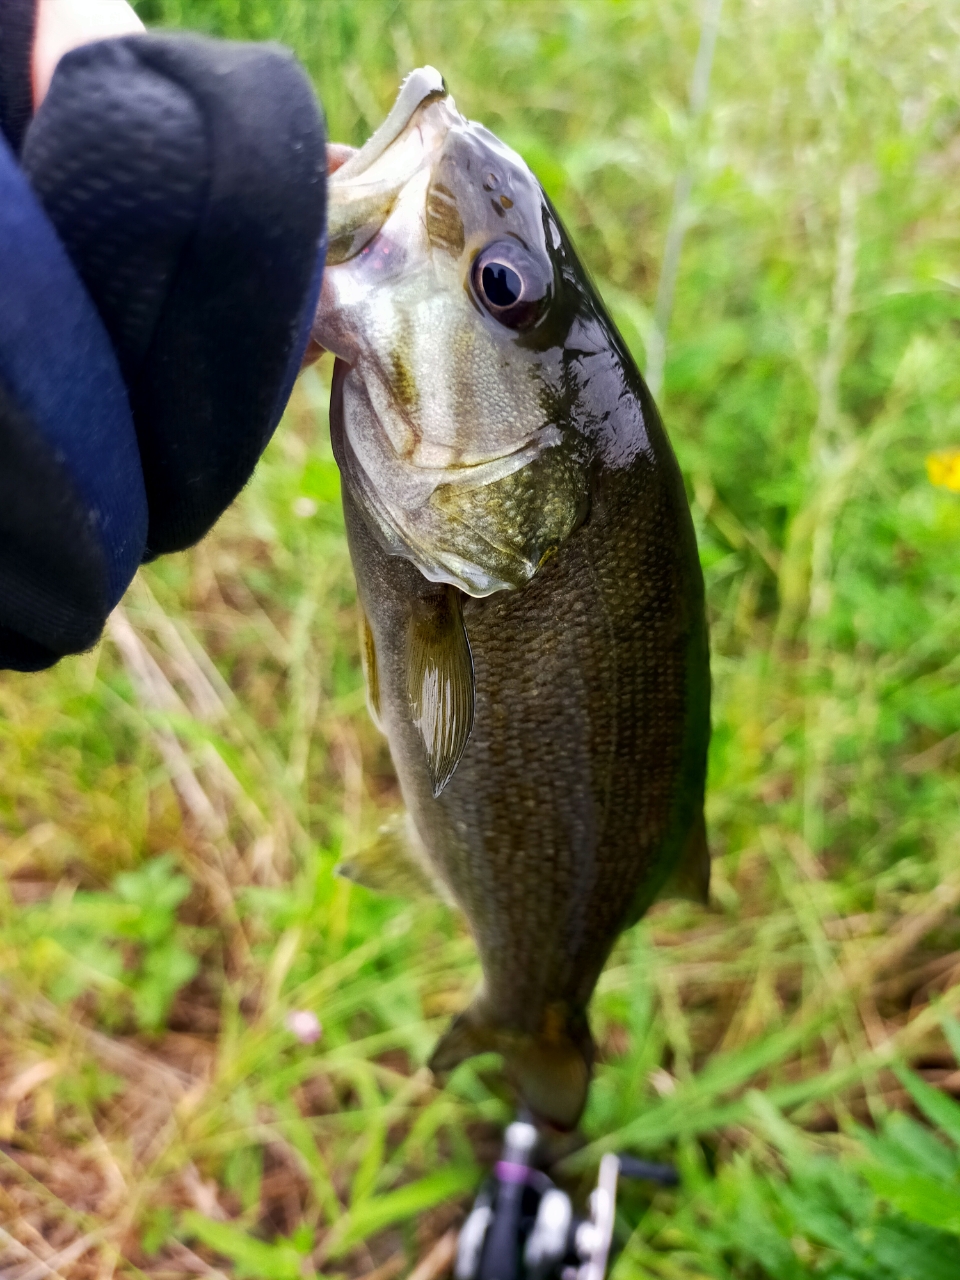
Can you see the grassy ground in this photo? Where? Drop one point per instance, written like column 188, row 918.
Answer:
column 779, row 243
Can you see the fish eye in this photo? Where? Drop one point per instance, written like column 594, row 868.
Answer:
column 511, row 284
column 501, row 284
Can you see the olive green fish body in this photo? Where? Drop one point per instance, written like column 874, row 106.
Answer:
column 536, row 644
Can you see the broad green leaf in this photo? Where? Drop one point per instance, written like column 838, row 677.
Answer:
column 913, row 1252
column 917, row 1197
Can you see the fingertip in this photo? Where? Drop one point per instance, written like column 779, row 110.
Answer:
column 63, row 25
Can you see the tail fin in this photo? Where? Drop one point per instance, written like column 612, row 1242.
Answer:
column 551, row 1069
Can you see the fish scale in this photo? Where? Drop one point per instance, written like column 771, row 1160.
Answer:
column 535, row 636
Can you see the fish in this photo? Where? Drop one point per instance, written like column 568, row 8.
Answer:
column 534, row 633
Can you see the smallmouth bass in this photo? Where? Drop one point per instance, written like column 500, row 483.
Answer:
column 534, row 634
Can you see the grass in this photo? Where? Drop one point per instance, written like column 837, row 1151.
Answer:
column 172, row 804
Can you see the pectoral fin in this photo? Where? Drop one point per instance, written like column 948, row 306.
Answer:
column 440, row 682
column 690, row 878
column 371, row 672
column 395, row 862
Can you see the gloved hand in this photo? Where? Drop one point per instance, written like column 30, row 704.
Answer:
column 161, row 227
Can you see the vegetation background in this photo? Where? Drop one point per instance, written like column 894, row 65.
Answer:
column 766, row 193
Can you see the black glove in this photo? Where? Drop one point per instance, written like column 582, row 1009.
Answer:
column 160, row 261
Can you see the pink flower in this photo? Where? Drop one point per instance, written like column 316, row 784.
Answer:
column 305, row 1025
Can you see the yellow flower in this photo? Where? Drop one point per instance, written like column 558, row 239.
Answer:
column 943, row 468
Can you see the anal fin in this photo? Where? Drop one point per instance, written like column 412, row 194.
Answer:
column 395, row 862
column 440, row 681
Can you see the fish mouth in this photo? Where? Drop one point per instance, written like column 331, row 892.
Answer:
column 363, row 191
column 421, row 85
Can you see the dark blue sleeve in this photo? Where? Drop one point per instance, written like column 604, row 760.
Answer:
column 186, row 178
column 161, row 250
column 73, row 510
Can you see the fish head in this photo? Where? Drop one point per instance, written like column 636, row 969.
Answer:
column 453, row 302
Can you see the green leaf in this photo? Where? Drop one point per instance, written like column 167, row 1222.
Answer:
column 914, row 1252
column 156, row 885
column 939, row 1109
column 254, row 1259
column 918, row 1197
column 164, row 971
column 156, row 1229
column 951, row 1029
column 396, row 1206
